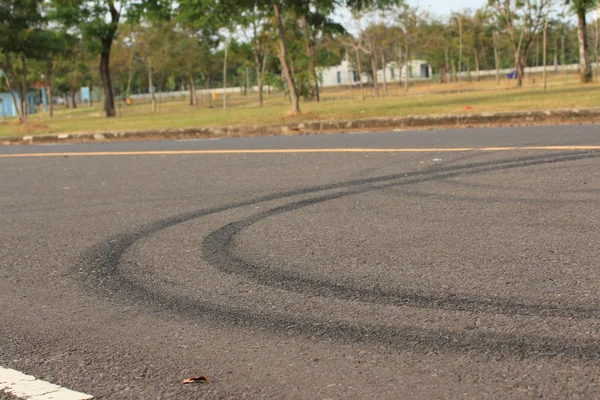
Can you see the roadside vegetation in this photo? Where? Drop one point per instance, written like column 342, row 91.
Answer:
column 125, row 57
column 564, row 91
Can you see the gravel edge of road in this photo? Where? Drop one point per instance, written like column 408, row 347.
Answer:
column 446, row 121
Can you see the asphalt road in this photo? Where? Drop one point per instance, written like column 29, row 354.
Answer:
column 420, row 274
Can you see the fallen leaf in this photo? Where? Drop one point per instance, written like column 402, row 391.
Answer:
column 202, row 379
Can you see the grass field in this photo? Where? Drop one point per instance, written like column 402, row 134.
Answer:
column 424, row 98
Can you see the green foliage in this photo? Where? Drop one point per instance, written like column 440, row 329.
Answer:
column 21, row 27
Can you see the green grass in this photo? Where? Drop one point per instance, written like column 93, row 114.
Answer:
column 423, row 99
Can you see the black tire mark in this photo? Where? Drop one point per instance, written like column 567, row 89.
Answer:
column 99, row 272
column 218, row 249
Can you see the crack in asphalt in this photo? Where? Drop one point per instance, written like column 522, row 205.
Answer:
column 99, row 269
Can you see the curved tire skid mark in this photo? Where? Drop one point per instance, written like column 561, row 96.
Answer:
column 218, row 249
column 99, row 271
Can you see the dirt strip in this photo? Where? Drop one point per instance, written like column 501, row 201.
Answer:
column 519, row 118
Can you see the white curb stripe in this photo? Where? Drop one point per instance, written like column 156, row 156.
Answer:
column 28, row 387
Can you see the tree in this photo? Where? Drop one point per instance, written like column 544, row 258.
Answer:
column 356, row 45
column 482, row 36
column 545, row 45
column 97, row 22
column 315, row 20
column 581, row 8
column 372, row 39
column 409, row 20
column 189, row 52
column 125, row 60
column 522, row 20
column 258, row 34
column 22, row 38
column 153, row 41
column 436, row 46
column 227, row 9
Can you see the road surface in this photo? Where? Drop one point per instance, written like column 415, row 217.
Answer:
column 421, row 265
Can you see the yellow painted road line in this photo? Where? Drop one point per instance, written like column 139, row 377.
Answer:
column 286, row 151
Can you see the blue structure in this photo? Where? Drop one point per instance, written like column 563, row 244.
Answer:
column 6, row 105
column 33, row 99
column 85, row 94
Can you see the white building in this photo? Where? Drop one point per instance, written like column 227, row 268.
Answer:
column 339, row 75
column 346, row 73
column 415, row 70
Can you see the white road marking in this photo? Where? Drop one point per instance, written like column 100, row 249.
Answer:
column 28, row 387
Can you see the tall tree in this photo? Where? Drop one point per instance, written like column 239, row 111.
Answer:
column 545, row 44
column 258, row 33
column 436, row 46
column 315, row 20
column 226, row 9
column 581, row 8
column 522, row 20
column 97, row 22
column 22, row 39
column 409, row 20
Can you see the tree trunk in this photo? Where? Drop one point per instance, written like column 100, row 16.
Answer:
column 295, row 104
column 90, row 94
column 259, row 83
column 383, row 68
column 49, row 75
column 407, row 76
column 596, row 42
column 519, row 67
column 545, row 46
column 537, row 51
column 496, row 58
column 460, row 50
column 151, row 86
column 442, row 74
column 107, row 89
column 310, row 52
column 476, row 65
column 374, row 75
column 225, row 74
column 193, row 95
column 23, row 88
column 260, row 64
column 247, row 87
column 446, row 65
column 585, row 70
column 130, row 75
column 556, row 56
column 564, row 56
column 49, row 100
column 359, row 68
column 15, row 104
column 73, row 94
